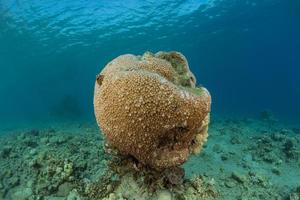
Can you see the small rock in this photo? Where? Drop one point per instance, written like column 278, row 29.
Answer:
column 44, row 140
column 34, row 164
column 14, row 181
column 230, row 184
column 261, row 180
column 30, row 183
column 278, row 137
column 74, row 195
column 276, row 171
column 22, row 136
column 54, row 140
column 29, row 142
column 296, row 130
column 51, row 130
column 288, row 145
column 61, row 140
column 64, row 189
column 13, row 155
column 8, row 173
column 53, row 198
column 21, row 194
column 5, row 152
column 217, row 148
column 109, row 188
column 285, row 131
column 252, row 173
column 42, row 156
column 270, row 158
column 224, row 156
column 164, row 195
column 33, row 132
column 238, row 177
column 235, row 140
column 57, row 140
column 33, row 152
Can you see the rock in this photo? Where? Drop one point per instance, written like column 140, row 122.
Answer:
column 57, row 140
column 298, row 190
column 29, row 142
column 54, row 140
column 276, row 171
column 111, row 196
column 278, row 137
column 64, row 189
column 33, row 132
column 30, row 183
column 224, row 156
column 293, row 196
column 230, row 184
column 2, row 194
column 51, row 130
column 296, row 130
column 270, row 158
column 235, row 140
column 33, row 152
column 285, row 131
column 74, row 195
column 42, row 156
column 260, row 180
column 175, row 176
column 68, row 168
column 290, row 150
column 14, row 181
column 217, row 148
column 54, row 198
column 44, row 140
column 34, row 163
column 21, row 194
column 238, row 177
column 5, row 152
column 164, row 195
column 22, row 136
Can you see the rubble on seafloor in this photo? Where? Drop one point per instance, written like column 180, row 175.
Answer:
column 134, row 181
column 243, row 159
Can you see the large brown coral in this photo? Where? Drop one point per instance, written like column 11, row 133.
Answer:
column 148, row 107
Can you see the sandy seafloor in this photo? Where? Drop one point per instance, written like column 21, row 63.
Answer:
column 243, row 159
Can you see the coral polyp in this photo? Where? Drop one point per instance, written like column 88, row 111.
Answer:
column 148, row 107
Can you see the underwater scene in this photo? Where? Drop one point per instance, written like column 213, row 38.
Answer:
column 150, row 100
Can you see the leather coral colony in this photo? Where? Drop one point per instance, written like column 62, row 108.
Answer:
column 149, row 107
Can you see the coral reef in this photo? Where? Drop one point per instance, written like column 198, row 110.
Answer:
column 49, row 164
column 66, row 161
column 149, row 107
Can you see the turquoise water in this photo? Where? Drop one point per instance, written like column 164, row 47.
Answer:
column 245, row 52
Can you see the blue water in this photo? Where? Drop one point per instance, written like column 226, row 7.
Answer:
column 246, row 52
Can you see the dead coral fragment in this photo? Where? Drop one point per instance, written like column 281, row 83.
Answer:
column 148, row 107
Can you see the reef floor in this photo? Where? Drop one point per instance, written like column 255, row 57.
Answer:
column 243, row 159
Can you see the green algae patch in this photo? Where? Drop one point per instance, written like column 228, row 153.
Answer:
column 197, row 90
column 183, row 75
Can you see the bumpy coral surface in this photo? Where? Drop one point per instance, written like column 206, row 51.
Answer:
column 149, row 107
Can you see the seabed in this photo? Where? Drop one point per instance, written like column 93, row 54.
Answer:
column 243, row 159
